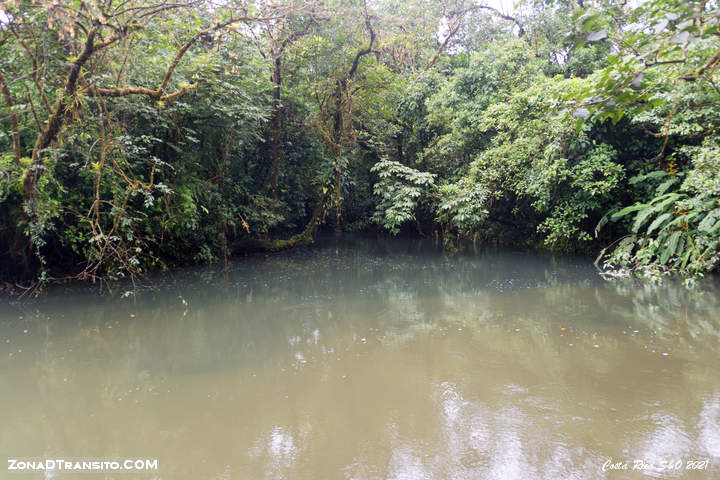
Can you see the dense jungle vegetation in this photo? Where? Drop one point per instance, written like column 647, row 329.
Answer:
column 137, row 134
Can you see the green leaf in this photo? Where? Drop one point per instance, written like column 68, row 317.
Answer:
column 652, row 175
column 663, row 199
column 707, row 223
column 595, row 36
column 685, row 258
column 630, row 209
column 662, row 188
column 673, row 243
column 658, row 221
column 602, row 222
column 641, row 218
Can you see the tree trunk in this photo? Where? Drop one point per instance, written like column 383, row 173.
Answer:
column 276, row 127
column 306, row 236
column 336, row 149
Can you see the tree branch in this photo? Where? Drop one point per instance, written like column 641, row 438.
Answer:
column 33, row 59
column 710, row 65
column 456, row 27
column 364, row 51
column 54, row 123
column 13, row 119
column 125, row 91
column 521, row 30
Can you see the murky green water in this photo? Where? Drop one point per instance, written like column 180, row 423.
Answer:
column 369, row 359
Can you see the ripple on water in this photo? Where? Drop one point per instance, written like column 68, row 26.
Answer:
column 709, row 427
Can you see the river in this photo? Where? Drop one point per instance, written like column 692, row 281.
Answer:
column 369, row 358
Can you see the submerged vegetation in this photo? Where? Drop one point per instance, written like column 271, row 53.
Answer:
column 137, row 134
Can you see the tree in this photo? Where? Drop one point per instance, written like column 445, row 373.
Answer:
column 277, row 36
column 90, row 33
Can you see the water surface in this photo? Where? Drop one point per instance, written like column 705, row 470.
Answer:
column 366, row 358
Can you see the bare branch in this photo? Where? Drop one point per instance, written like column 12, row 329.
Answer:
column 34, row 73
column 521, row 30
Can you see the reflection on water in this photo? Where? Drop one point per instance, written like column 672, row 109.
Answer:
column 370, row 359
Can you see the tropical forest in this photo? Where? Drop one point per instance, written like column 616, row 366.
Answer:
column 138, row 135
